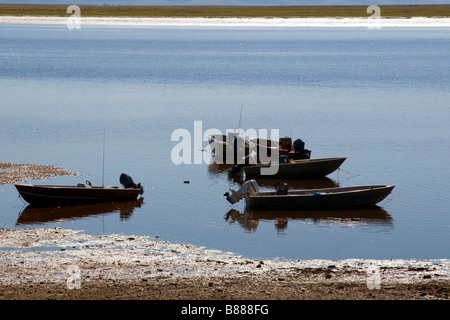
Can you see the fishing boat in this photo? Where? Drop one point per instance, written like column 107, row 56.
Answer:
column 309, row 199
column 234, row 149
column 298, row 169
column 82, row 193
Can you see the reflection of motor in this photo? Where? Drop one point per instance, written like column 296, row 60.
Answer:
column 128, row 182
column 249, row 187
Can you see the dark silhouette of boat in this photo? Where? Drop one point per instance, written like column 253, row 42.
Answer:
column 56, row 195
column 309, row 199
column 298, row 169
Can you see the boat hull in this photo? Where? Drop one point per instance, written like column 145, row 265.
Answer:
column 328, row 198
column 299, row 169
column 47, row 195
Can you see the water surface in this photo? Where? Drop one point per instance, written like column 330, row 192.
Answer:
column 378, row 97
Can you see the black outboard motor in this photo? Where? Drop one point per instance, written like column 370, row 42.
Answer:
column 299, row 146
column 299, row 149
column 128, row 182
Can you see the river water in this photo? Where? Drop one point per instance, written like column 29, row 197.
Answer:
column 379, row 97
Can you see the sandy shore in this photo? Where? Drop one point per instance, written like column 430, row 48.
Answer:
column 229, row 22
column 11, row 173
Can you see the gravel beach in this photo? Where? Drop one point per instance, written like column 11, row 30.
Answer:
column 11, row 173
column 67, row 264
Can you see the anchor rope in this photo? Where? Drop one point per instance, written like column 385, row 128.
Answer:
column 353, row 174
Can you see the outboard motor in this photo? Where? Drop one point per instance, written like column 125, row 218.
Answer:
column 128, row 182
column 299, row 146
column 299, row 150
column 248, row 188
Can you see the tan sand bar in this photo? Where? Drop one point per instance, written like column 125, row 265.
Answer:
column 13, row 172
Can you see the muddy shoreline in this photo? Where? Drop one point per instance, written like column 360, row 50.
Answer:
column 62, row 264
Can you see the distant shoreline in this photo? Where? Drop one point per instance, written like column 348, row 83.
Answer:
column 231, row 22
column 357, row 11
column 231, row 16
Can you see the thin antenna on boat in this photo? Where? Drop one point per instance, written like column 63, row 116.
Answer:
column 103, row 166
column 240, row 115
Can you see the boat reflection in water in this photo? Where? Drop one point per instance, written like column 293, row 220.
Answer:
column 38, row 215
column 269, row 182
column 249, row 219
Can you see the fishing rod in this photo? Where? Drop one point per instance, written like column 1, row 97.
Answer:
column 103, row 165
column 240, row 116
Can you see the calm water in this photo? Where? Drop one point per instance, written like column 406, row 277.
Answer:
column 379, row 97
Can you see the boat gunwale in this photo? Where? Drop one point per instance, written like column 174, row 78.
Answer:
column 300, row 161
column 56, row 195
column 49, row 186
column 308, row 192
